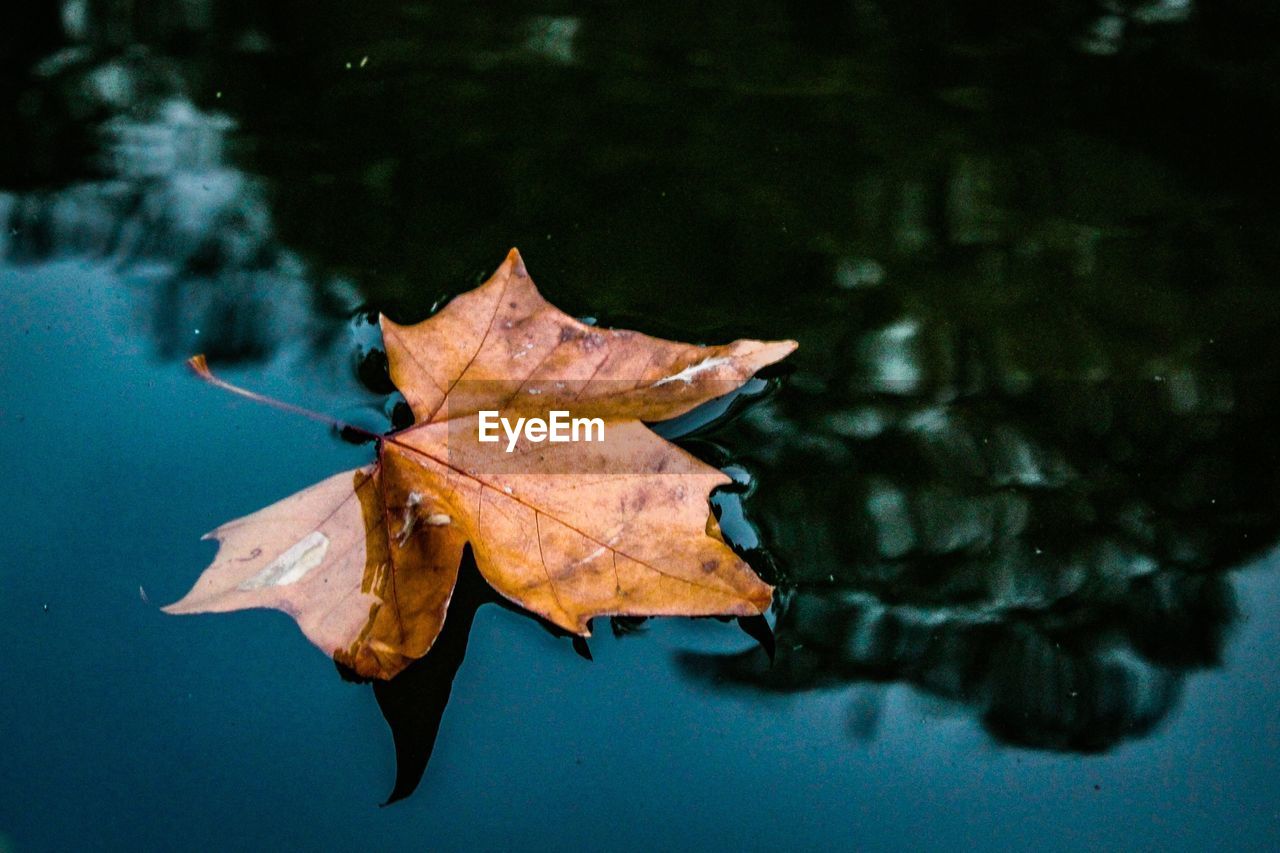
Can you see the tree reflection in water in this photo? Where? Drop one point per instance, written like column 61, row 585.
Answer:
column 1024, row 499
column 124, row 167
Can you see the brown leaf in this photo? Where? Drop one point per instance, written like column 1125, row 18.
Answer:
column 366, row 561
column 486, row 349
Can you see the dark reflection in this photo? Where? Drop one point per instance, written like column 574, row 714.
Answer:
column 972, row 519
column 413, row 702
column 1028, row 249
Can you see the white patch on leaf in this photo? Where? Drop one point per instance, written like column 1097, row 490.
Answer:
column 409, row 518
column 693, row 371
column 291, row 566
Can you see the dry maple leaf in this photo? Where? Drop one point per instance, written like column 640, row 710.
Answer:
column 366, row 561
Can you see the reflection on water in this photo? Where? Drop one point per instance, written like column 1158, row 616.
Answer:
column 1030, row 430
column 413, row 703
column 1026, row 481
column 160, row 199
column 1056, row 567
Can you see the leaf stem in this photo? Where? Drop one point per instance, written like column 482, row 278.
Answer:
column 200, row 366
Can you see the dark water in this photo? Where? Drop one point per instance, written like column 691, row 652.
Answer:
column 1019, row 492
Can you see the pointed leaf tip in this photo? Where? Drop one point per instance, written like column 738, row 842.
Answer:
column 516, row 262
column 771, row 352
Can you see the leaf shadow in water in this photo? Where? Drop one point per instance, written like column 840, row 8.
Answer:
column 413, row 703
